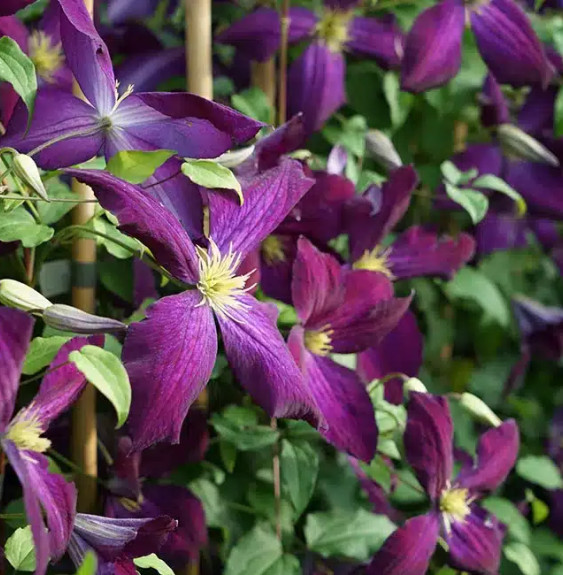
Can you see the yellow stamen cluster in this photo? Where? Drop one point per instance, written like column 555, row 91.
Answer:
column 47, row 57
column 272, row 250
column 218, row 283
column 26, row 430
column 375, row 261
column 132, row 505
column 454, row 505
column 333, row 29
column 319, row 341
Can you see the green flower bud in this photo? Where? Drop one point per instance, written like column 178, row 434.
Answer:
column 381, row 149
column 26, row 169
column 516, row 143
column 234, row 158
column 478, row 409
column 413, row 384
column 68, row 318
column 21, row 296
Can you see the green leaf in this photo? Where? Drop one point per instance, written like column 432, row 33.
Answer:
column 17, row 69
column 254, row 103
column 20, row 551
column 135, row 166
column 107, row 374
column 153, row 562
column 508, row 513
column 452, row 174
column 540, row 470
column 52, row 212
column 351, row 135
column 242, row 430
column 19, row 225
column 523, row 557
column 299, row 470
column 473, row 202
column 255, row 554
column 352, row 534
column 89, row 564
column 41, row 352
column 285, row 565
column 497, row 184
column 400, row 103
column 117, row 244
column 212, row 175
column 473, row 285
column 559, row 113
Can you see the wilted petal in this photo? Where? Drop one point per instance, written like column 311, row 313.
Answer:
column 418, row 252
column 169, row 357
column 428, row 441
column 268, row 198
column 433, row 47
column 381, row 39
column 142, row 217
column 262, row 362
column 342, row 399
column 509, row 45
column 12, row 6
column 16, row 328
column 408, row 550
column 316, row 85
column 494, row 108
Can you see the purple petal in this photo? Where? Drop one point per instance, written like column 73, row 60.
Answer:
column 142, row 217
column 496, row 454
column 428, row 441
column 87, row 56
column 341, row 398
column 12, row 6
column 408, row 550
column 268, row 198
column 15, row 29
column 494, row 108
column 120, row 11
column 382, row 39
column 556, row 512
column 509, row 45
column 57, row 115
column 418, row 252
column 262, row 362
column 475, row 543
column 169, row 357
column 276, row 274
column 536, row 116
column 546, row 231
column 16, row 328
column 433, row 47
column 302, row 23
column 500, row 232
column 143, row 283
column 316, row 85
column 337, row 160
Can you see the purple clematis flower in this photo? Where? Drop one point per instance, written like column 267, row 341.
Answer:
column 341, row 311
column 21, row 436
column 505, row 39
column 473, row 536
column 316, row 78
column 170, row 355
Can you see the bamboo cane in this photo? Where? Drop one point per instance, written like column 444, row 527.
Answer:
column 282, row 73
column 264, row 77
column 84, row 431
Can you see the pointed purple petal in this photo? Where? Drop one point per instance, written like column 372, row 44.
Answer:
column 408, row 550
column 302, row 23
column 433, row 47
column 429, row 441
column 509, row 45
column 341, row 398
column 500, row 232
column 143, row 283
column 142, row 217
column 316, row 85
column 536, row 116
column 262, row 362
column 276, row 274
column 12, row 6
column 15, row 334
column 169, row 357
column 494, row 108
column 268, row 198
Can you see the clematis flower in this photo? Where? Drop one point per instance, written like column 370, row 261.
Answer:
column 316, row 78
column 170, row 355
column 505, row 39
column 473, row 536
column 21, row 435
column 340, row 311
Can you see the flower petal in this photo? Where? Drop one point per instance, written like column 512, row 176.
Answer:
column 142, row 217
column 341, row 398
column 408, row 550
column 143, row 283
column 500, row 232
column 429, row 441
column 16, row 328
column 509, row 45
column 316, row 85
column 169, row 357
column 12, row 6
column 433, row 47
column 262, row 362
column 494, row 108
column 536, row 116
column 276, row 275
column 14, row 28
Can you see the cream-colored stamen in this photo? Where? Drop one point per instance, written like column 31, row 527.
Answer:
column 375, row 260
column 26, row 430
column 319, row 341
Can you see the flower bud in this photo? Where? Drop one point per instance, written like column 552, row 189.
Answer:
column 21, row 296
column 413, row 384
column 68, row 318
column 26, row 169
column 516, row 143
column 479, row 409
column 381, row 149
column 234, row 158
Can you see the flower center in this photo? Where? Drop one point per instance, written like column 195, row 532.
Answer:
column 333, row 28
column 132, row 505
column 47, row 57
column 454, row 504
column 318, row 341
column 375, row 261
column 25, row 431
column 272, row 250
column 218, row 283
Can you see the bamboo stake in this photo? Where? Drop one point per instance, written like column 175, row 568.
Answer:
column 282, row 74
column 264, row 77
column 198, row 48
column 84, row 431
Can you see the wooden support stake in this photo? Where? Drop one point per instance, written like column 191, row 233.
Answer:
column 264, row 77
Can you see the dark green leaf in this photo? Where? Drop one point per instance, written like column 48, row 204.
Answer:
column 540, row 470
column 473, row 202
column 41, row 352
column 299, row 469
column 19, row 225
column 135, row 166
column 257, row 553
